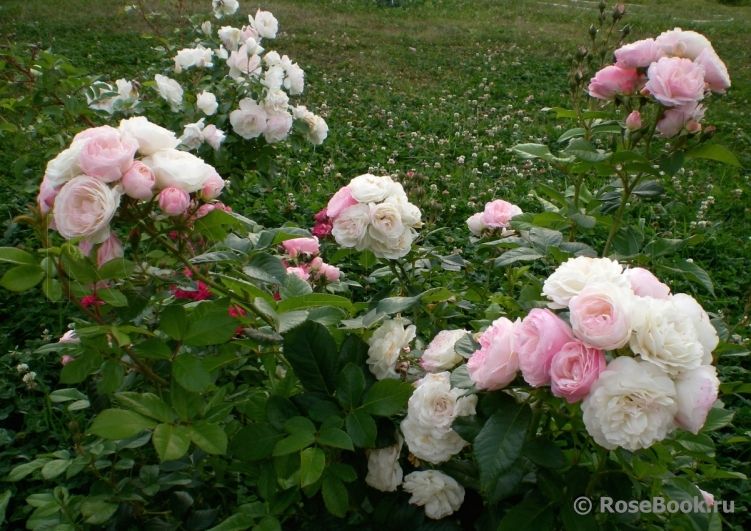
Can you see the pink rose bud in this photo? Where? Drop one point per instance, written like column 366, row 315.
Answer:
column 612, row 81
column 109, row 250
column 538, row 338
column 174, row 201
column 495, row 365
column 66, row 360
column 645, row 284
column 85, row 247
column 47, row 195
column 574, row 369
column 708, row 498
column 633, row 122
column 322, row 229
column 316, row 264
column 298, row 246
column 212, row 187
column 204, row 209
column 299, row 271
column 677, row 119
column 341, row 200
column 331, row 273
column 138, row 182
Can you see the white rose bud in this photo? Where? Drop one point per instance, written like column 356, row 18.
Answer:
column 206, row 101
column 384, row 471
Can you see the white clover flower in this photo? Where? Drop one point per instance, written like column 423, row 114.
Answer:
column 22, row 367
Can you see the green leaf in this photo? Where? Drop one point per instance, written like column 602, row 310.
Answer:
column 544, row 452
column 717, row 418
column 287, row 321
column 387, row 397
column 335, row 496
column 4, row 499
column 215, row 257
column 210, row 324
column 55, row 467
column 21, row 471
column 79, row 270
column 66, row 395
column 312, row 462
column 185, row 403
column 361, row 428
column 190, row 374
column 117, row 268
column 335, row 438
column 77, row 370
column 22, row 278
column 500, row 442
column 294, row 287
column 120, row 424
column 627, row 241
column 97, row 512
column 266, row 268
column 152, row 349
column 299, row 424
column 311, row 350
column 671, row 163
column 112, row 297
column 52, row 289
column 147, row 404
column 255, row 441
column 170, row 442
column 531, row 513
column 713, row 152
column 294, row 443
column 351, row 384
column 13, row 255
column 112, row 377
column 393, row 305
column 515, row 255
column 537, row 151
column 268, row 523
column 571, row 133
column 696, row 273
column 368, row 259
column 585, row 151
column 314, row 300
column 208, row 437
column 236, row 522
column 173, row 320
column 700, row 444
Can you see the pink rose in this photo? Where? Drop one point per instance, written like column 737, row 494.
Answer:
column 139, row 181
column 204, row 209
column 715, row 72
column 322, row 229
column 633, row 122
column 613, row 80
column 299, row 271
column 212, row 187
column 645, row 284
column 331, row 273
column 708, row 498
column 574, row 369
column 174, row 201
column 538, row 338
column 639, row 54
column 298, row 246
column 494, row 366
column 674, row 81
column 66, row 359
column 675, row 120
column 213, row 136
column 688, row 44
column 498, row 213
column 47, row 195
column 695, row 392
column 84, row 207
column 109, row 250
column 601, row 316
column 108, row 154
column 341, row 200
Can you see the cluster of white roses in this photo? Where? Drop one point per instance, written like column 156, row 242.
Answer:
column 83, row 185
column 374, row 213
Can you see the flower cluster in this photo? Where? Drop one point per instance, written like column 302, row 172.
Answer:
column 83, row 185
column 497, row 215
column 677, row 69
column 374, row 213
column 660, row 349
column 302, row 260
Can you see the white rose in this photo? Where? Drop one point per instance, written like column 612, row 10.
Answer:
column 206, row 28
column 384, row 471
column 277, row 127
column 386, row 344
column 221, row 52
column 206, row 101
column 410, row 213
column 295, row 80
column 249, row 121
column 276, row 102
column 665, row 336
column 576, row 273
column 170, row 90
column 241, row 62
column 440, row 494
column 440, row 354
column 704, row 328
column 231, row 37
column 151, row 137
column 65, row 166
column 273, row 78
column 631, row 405
column 213, row 136
column 385, row 222
column 301, row 112
column 318, row 129
column 476, row 224
column 125, row 89
column 84, row 207
column 431, row 445
column 272, row 58
column 695, row 392
column 393, row 248
column 265, row 24
column 351, row 225
column 225, row 7
column 199, row 57
column 178, row 169
column 192, row 135
column 370, row 188
column 435, row 405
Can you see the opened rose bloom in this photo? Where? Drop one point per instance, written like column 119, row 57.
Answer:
column 572, row 276
column 139, row 181
column 439, row 493
column 384, row 471
column 341, row 199
column 84, row 207
column 683, row 118
column 696, row 392
column 298, row 246
column 538, row 338
column 705, row 330
column 639, row 54
column 495, row 365
column 674, row 81
column 386, row 344
column 574, row 369
column 107, row 154
column 440, row 354
column 498, row 214
column 601, row 315
column 612, row 81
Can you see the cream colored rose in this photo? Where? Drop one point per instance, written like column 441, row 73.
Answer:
column 435, row 405
column 84, row 207
column 178, row 169
column 393, row 248
column 151, row 137
column 386, row 344
column 410, row 213
column 206, row 101
column 249, row 121
column 631, row 405
column 440, row 354
column 696, row 390
column 476, row 224
column 384, row 471
column 576, row 273
column 170, row 90
column 385, row 222
column 65, row 166
column 705, row 330
column 440, row 494
column 370, row 188
column 351, row 225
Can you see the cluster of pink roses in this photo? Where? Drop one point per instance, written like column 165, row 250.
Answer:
column 497, row 215
column 656, row 376
column 373, row 213
column 676, row 69
column 302, row 253
column 83, row 185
